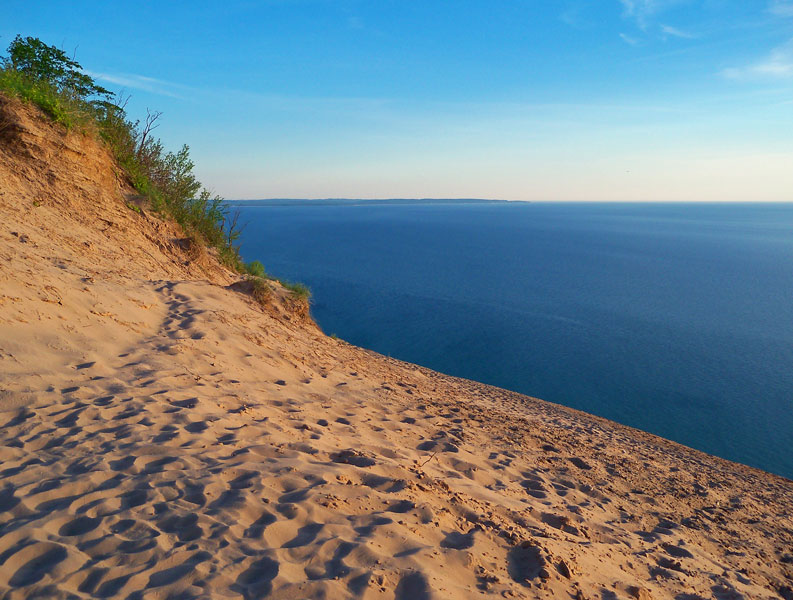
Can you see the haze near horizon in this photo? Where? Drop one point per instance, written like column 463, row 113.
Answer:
column 631, row 100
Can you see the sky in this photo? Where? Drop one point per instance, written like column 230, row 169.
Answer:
column 625, row 100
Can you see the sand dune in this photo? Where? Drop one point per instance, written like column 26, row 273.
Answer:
column 162, row 435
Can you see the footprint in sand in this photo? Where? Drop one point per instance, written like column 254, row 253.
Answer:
column 353, row 457
column 167, row 433
column 34, row 563
column 459, row 541
column 413, row 586
column 174, row 574
column 88, row 586
column 158, row 465
column 122, row 464
column 534, row 487
column 580, row 463
column 256, row 529
column 185, row 527
column 79, row 526
column 197, row 427
column 401, row 506
column 7, row 499
column 255, row 581
column 188, row 403
column 526, row 563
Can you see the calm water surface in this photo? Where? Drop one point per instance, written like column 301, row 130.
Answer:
column 673, row 318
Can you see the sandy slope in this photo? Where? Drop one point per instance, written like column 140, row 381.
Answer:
column 164, row 436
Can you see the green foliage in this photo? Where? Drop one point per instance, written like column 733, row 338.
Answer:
column 61, row 108
column 256, row 269
column 47, row 77
column 37, row 61
column 167, row 179
column 299, row 290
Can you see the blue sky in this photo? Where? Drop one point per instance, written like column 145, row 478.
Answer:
column 523, row 99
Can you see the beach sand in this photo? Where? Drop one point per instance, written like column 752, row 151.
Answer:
column 163, row 435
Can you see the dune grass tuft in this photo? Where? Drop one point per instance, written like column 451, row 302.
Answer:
column 260, row 289
column 298, row 290
column 256, row 269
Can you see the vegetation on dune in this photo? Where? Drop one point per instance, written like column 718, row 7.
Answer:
column 46, row 76
column 260, row 289
column 256, row 269
column 299, row 290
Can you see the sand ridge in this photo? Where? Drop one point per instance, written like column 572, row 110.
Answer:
column 164, row 436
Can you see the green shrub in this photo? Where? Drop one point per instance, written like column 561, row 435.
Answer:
column 47, row 77
column 299, row 290
column 256, row 269
column 35, row 60
column 60, row 107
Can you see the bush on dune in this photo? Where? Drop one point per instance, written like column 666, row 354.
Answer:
column 256, row 269
column 168, row 181
column 47, row 77
column 299, row 290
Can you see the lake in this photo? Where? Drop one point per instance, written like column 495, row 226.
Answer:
column 673, row 318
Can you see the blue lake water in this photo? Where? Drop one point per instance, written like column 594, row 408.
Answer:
column 673, row 318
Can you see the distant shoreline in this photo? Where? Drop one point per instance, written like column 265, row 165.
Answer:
column 274, row 202
column 363, row 202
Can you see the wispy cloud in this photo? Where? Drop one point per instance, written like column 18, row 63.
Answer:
column 777, row 65
column 781, row 8
column 578, row 13
column 645, row 15
column 259, row 99
column 143, row 83
column 570, row 16
column 629, row 40
column 643, row 10
column 675, row 32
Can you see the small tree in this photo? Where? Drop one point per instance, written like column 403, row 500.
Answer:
column 40, row 62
